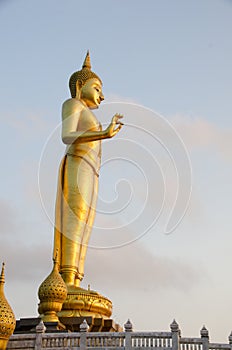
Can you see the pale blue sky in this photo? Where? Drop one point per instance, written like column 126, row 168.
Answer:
column 173, row 57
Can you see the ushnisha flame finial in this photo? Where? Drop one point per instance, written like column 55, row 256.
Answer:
column 87, row 63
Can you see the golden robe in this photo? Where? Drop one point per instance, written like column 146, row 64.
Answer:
column 77, row 195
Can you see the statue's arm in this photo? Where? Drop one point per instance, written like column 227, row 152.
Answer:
column 71, row 114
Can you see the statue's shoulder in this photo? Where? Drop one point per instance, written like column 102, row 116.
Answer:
column 72, row 105
column 72, row 101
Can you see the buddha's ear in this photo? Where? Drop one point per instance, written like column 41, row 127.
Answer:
column 78, row 89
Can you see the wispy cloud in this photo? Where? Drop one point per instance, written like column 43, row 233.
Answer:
column 200, row 134
column 133, row 263
column 7, row 216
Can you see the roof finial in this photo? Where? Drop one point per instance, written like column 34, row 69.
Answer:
column 55, row 259
column 52, row 294
column 87, row 63
column 2, row 276
column 7, row 318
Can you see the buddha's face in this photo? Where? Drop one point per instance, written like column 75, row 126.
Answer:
column 91, row 93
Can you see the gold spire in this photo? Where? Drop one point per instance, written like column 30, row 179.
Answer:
column 87, row 63
column 7, row 317
column 2, row 276
column 52, row 293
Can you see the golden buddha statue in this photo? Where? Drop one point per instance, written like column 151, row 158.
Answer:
column 79, row 172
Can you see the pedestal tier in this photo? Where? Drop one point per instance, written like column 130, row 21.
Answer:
column 83, row 303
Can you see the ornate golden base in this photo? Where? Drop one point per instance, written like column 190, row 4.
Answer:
column 82, row 302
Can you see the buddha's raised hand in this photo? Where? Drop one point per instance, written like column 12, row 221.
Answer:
column 114, row 126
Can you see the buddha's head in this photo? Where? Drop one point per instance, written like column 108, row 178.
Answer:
column 86, row 85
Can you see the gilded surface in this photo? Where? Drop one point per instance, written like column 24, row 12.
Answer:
column 7, row 318
column 79, row 170
column 86, row 303
column 52, row 293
